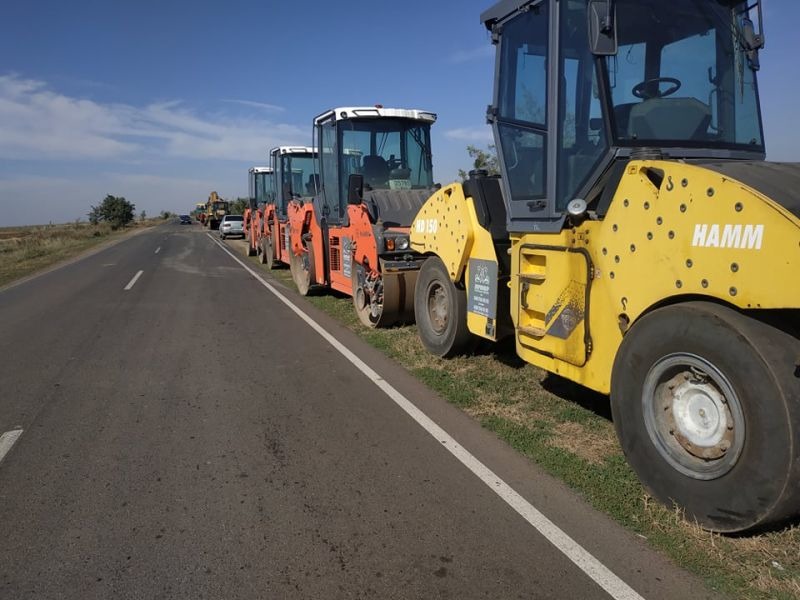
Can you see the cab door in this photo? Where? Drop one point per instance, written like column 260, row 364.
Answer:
column 551, row 133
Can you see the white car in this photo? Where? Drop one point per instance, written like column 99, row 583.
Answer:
column 231, row 225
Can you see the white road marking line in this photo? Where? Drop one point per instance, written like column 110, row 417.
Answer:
column 133, row 281
column 7, row 440
column 158, row 250
column 586, row 562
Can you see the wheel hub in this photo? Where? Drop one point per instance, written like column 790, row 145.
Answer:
column 437, row 308
column 703, row 423
column 693, row 416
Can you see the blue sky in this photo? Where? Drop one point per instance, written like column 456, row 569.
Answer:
column 164, row 101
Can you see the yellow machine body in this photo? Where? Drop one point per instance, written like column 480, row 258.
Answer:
column 699, row 235
column 673, row 232
column 447, row 226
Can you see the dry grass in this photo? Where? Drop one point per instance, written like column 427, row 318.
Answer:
column 592, row 446
column 765, row 565
column 26, row 250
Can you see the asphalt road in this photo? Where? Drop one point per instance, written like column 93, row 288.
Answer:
column 192, row 437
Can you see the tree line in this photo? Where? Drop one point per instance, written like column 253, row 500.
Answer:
column 118, row 212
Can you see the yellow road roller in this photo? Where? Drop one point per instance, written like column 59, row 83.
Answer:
column 637, row 242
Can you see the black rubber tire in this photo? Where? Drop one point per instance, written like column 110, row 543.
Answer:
column 759, row 490
column 452, row 337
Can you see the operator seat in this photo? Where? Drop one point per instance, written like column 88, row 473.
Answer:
column 313, row 184
column 375, row 171
column 669, row 119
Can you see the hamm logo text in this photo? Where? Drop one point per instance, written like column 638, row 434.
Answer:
column 745, row 237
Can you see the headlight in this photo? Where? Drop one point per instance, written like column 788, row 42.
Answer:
column 395, row 242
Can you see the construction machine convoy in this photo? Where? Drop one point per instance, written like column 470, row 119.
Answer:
column 375, row 171
column 294, row 176
column 261, row 187
column 637, row 243
column 215, row 209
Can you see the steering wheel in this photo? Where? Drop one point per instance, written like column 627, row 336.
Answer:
column 640, row 90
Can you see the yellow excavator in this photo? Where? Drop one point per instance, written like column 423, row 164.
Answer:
column 216, row 208
column 637, row 242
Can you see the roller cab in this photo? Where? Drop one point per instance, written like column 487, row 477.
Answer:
column 375, row 170
column 260, row 186
column 199, row 212
column 652, row 252
column 292, row 183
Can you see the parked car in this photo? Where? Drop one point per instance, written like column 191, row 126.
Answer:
column 231, row 225
column 185, row 220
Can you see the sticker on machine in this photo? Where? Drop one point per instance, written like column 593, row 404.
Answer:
column 347, row 257
column 482, row 287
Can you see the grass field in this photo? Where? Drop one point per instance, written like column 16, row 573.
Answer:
column 27, row 250
column 567, row 430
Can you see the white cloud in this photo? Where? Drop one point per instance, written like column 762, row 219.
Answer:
column 36, row 122
column 479, row 53
column 261, row 105
column 40, row 124
column 472, row 135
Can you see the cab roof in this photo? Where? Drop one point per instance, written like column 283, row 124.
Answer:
column 372, row 112
column 292, row 150
column 501, row 10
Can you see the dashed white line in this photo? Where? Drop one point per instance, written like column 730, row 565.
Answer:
column 158, row 250
column 585, row 561
column 7, row 440
column 132, row 282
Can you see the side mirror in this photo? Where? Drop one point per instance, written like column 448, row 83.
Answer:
column 355, row 189
column 602, row 27
column 754, row 42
